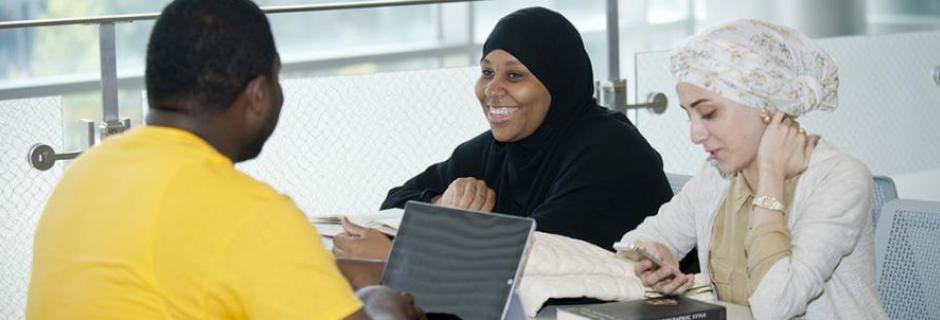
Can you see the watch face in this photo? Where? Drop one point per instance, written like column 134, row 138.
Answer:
column 768, row 202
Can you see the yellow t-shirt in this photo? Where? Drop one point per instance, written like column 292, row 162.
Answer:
column 156, row 224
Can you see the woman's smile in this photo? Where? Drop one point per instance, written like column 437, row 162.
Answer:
column 500, row 114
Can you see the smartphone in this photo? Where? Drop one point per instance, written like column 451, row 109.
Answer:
column 636, row 253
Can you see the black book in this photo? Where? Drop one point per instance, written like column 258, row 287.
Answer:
column 667, row 308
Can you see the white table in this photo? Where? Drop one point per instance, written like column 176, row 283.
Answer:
column 734, row 312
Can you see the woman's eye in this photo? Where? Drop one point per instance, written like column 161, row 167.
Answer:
column 487, row 74
column 514, row 76
column 708, row 115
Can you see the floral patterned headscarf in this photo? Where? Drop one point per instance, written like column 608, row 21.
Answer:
column 760, row 65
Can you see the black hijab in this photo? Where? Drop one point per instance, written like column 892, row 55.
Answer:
column 551, row 48
column 585, row 172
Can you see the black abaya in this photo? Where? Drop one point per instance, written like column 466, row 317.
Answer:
column 586, row 172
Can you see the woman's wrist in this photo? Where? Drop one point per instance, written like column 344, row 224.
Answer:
column 771, row 172
column 770, row 184
column 769, row 177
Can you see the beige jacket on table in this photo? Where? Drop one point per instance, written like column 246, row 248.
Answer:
column 830, row 273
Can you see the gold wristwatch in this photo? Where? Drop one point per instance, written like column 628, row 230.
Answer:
column 768, row 202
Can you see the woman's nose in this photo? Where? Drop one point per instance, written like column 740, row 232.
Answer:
column 494, row 88
column 697, row 132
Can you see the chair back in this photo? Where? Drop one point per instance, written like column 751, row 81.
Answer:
column 884, row 192
column 907, row 251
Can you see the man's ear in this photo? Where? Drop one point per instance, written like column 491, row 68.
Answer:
column 256, row 94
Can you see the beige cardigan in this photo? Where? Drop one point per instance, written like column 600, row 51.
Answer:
column 831, row 271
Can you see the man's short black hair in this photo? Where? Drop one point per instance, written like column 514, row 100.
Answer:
column 202, row 54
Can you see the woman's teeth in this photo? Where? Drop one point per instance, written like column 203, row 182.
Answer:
column 503, row 110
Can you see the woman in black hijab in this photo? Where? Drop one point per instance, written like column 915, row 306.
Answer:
column 552, row 153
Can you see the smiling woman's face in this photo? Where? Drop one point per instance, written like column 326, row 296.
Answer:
column 729, row 131
column 514, row 101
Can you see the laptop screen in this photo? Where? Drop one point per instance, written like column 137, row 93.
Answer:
column 456, row 261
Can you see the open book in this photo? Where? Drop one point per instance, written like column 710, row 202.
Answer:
column 385, row 221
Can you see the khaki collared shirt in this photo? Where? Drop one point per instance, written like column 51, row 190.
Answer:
column 739, row 257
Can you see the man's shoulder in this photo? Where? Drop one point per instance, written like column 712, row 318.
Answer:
column 231, row 184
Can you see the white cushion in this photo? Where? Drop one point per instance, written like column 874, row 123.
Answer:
column 563, row 267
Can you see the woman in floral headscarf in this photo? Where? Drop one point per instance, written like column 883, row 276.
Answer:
column 781, row 218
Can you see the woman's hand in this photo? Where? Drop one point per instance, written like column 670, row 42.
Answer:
column 361, row 242
column 467, row 193
column 784, row 149
column 667, row 280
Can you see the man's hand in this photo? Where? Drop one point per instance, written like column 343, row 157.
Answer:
column 387, row 303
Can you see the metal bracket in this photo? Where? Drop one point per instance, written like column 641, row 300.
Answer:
column 110, row 128
column 42, row 156
column 613, row 95
column 656, row 103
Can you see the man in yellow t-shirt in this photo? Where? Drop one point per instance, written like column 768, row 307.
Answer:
column 158, row 224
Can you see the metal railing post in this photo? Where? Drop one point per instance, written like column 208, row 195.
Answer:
column 613, row 41
column 110, row 115
column 613, row 92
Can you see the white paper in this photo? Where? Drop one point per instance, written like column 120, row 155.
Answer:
column 386, row 221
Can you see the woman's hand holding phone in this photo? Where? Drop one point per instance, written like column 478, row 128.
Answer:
column 656, row 267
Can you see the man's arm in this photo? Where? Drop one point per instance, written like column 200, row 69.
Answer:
column 386, row 303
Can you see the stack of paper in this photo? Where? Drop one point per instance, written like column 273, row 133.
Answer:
column 385, row 221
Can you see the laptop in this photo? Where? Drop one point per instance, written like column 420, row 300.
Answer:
column 458, row 262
